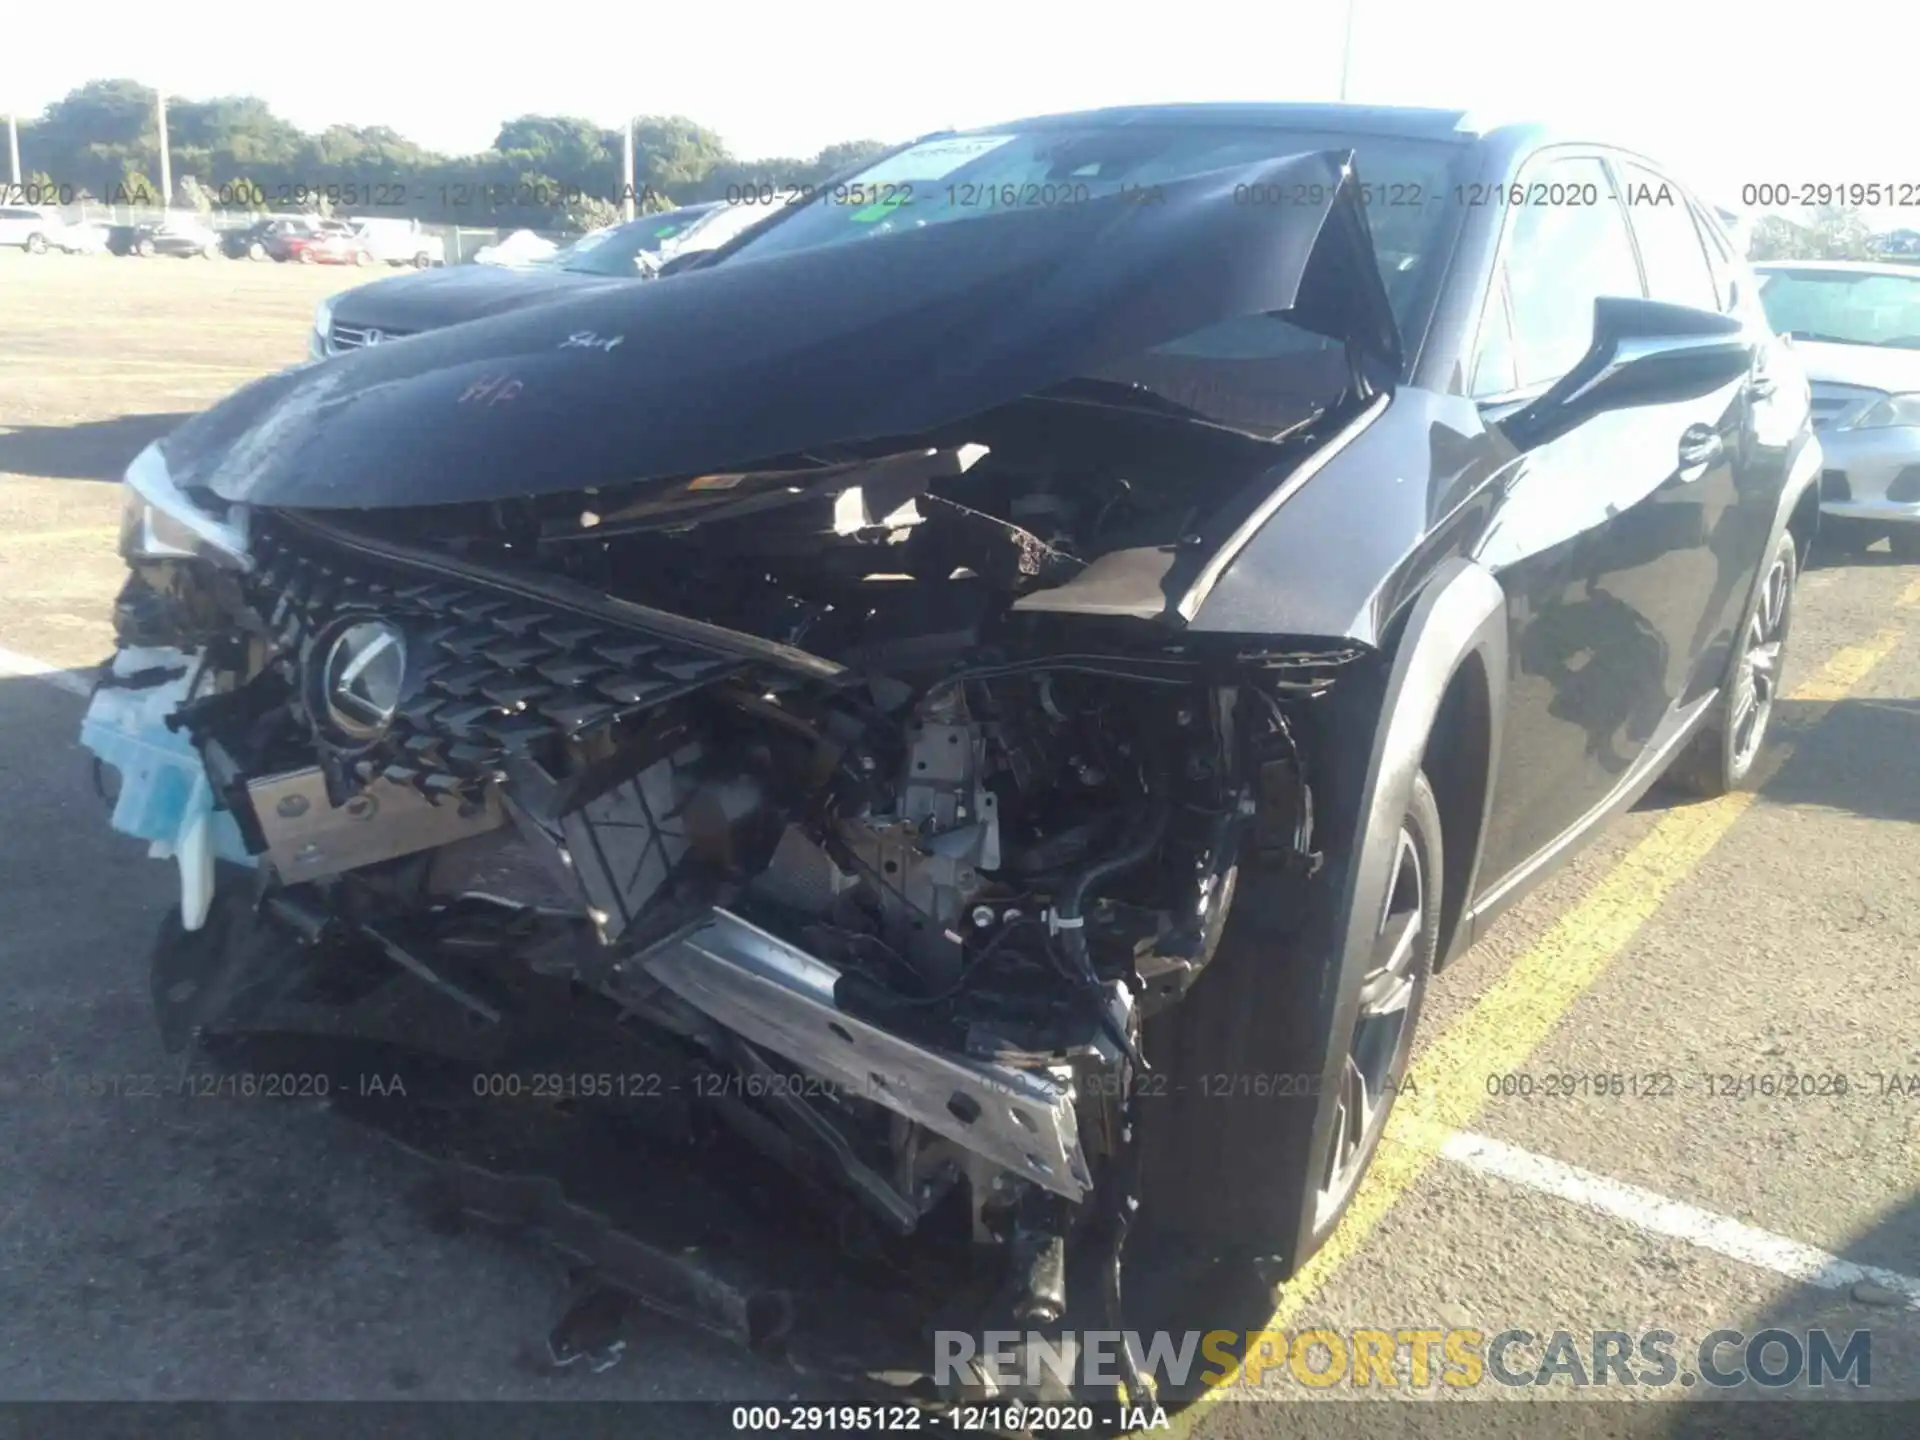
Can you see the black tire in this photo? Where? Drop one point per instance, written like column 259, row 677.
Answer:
column 256, row 251
column 422, row 260
column 1720, row 758
column 144, row 249
column 1231, row 1171
column 1904, row 541
column 36, row 244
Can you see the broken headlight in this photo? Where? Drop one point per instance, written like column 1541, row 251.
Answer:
column 161, row 523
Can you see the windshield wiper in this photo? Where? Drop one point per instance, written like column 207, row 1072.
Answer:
column 1141, row 400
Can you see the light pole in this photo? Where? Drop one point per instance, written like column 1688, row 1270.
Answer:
column 13, row 150
column 1346, row 49
column 626, row 171
column 166, row 166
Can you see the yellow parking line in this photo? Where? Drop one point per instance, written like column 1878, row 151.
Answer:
column 1446, row 1086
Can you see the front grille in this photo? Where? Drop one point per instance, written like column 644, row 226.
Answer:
column 1834, row 486
column 491, row 676
column 353, row 337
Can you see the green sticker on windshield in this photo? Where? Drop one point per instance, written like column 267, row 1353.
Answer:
column 880, row 209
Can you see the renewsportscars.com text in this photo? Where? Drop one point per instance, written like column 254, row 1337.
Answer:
column 1416, row 1359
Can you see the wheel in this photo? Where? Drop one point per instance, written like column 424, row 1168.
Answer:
column 1721, row 756
column 256, row 251
column 1904, row 541
column 422, row 260
column 212, row 252
column 306, row 257
column 144, row 249
column 36, row 244
column 1391, row 995
column 1232, row 1172
column 361, row 257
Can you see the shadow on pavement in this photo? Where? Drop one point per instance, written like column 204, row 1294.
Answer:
column 1864, row 761
column 91, row 450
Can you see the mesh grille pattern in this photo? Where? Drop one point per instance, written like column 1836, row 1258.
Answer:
column 490, row 675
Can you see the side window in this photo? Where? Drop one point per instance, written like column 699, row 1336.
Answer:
column 1738, row 288
column 1493, row 372
column 1569, row 245
column 1670, row 245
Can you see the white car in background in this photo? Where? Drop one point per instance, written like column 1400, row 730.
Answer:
column 34, row 230
column 522, row 247
column 1855, row 327
column 399, row 242
column 85, row 237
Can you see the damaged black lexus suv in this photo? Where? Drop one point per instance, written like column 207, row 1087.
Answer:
column 1002, row 683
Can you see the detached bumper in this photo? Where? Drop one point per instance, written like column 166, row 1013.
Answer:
column 165, row 796
column 1872, row 475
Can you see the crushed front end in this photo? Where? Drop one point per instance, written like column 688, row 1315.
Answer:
column 868, row 868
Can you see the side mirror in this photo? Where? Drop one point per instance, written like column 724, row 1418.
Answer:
column 1644, row 352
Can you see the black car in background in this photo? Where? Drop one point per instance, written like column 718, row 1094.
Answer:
column 256, row 241
column 408, row 304
column 182, row 234
column 1021, row 667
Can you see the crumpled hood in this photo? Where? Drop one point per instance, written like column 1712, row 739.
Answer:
column 429, row 299
column 889, row 336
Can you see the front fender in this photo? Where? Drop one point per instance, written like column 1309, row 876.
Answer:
column 1458, row 620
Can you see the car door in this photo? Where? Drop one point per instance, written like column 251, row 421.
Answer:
column 1599, row 536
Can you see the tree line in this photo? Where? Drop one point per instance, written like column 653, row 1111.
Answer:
column 101, row 142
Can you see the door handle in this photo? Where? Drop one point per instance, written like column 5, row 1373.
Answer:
column 1699, row 448
column 1760, row 387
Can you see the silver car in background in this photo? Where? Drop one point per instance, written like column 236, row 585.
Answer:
column 1856, row 329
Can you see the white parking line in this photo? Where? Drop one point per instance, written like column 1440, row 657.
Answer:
column 25, row 667
column 1656, row 1213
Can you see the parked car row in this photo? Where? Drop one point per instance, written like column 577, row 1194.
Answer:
column 301, row 239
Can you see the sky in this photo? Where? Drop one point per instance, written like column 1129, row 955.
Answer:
column 1727, row 95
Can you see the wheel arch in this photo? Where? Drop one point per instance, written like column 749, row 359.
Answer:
column 1443, row 697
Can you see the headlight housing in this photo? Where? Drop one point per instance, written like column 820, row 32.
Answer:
column 1892, row 410
column 161, row 523
column 323, row 322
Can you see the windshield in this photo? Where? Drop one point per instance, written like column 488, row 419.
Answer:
column 618, row 250
column 1845, row 307
column 961, row 177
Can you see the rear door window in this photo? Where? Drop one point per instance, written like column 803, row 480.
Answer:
column 1568, row 245
column 1670, row 244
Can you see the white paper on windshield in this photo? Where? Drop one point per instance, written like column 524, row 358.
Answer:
column 931, row 159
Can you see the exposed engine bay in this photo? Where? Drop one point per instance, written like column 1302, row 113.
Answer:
column 894, row 904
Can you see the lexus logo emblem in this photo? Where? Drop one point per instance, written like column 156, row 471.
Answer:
column 361, row 678
column 372, row 337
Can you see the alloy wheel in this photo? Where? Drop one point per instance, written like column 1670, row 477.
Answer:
column 1382, row 1028
column 1758, row 679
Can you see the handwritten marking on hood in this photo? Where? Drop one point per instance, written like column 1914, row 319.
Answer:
column 587, row 340
column 490, row 390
